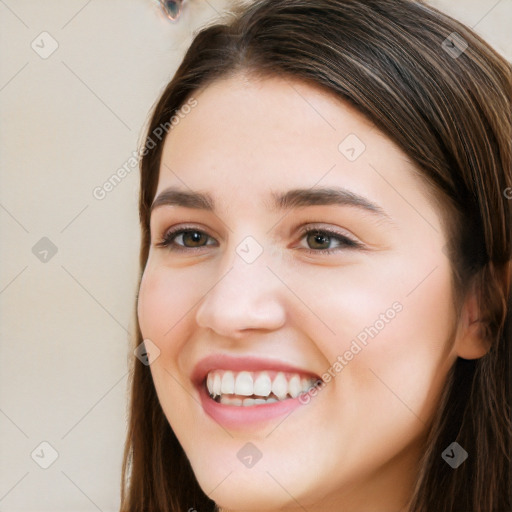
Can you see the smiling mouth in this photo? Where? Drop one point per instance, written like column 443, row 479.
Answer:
column 252, row 388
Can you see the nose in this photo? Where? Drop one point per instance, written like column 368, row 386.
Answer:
column 245, row 297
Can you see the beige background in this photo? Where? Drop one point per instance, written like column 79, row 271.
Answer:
column 68, row 123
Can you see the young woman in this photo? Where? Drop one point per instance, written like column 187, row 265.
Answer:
column 325, row 268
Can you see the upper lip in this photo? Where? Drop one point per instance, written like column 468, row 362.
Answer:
column 237, row 363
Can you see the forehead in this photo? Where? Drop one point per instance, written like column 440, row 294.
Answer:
column 268, row 109
column 255, row 134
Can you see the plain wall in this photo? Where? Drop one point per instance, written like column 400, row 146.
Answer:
column 68, row 122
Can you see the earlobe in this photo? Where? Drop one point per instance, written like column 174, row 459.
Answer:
column 471, row 341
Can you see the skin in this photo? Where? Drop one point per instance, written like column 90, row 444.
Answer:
column 355, row 446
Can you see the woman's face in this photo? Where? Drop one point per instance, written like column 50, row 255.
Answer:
column 249, row 306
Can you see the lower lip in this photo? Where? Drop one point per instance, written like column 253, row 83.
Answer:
column 233, row 416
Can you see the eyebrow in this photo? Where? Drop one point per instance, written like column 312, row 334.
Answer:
column 295, row 198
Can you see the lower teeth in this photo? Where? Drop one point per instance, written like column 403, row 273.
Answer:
column 244, row 402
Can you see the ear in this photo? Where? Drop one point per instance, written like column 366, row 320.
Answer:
column 470, row 341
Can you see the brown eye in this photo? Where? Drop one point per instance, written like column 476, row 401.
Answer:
column 193, row 238
column 183, row 239
column 318, row 240
column 325, row 241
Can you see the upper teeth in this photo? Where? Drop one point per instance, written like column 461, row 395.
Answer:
column 245, row 383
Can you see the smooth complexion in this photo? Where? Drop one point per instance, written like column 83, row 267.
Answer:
column 355, row 446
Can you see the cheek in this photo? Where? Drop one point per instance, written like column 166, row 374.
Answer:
column 164, row 300
column 402, row 365
column 393, row 327
column 408, row 305
column 162, row 308
column 152, row 305
column 418, row 356
column 353, row 302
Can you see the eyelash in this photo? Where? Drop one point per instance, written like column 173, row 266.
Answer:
column 345, row 242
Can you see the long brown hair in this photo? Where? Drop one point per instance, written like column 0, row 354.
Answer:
column 448, row 107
